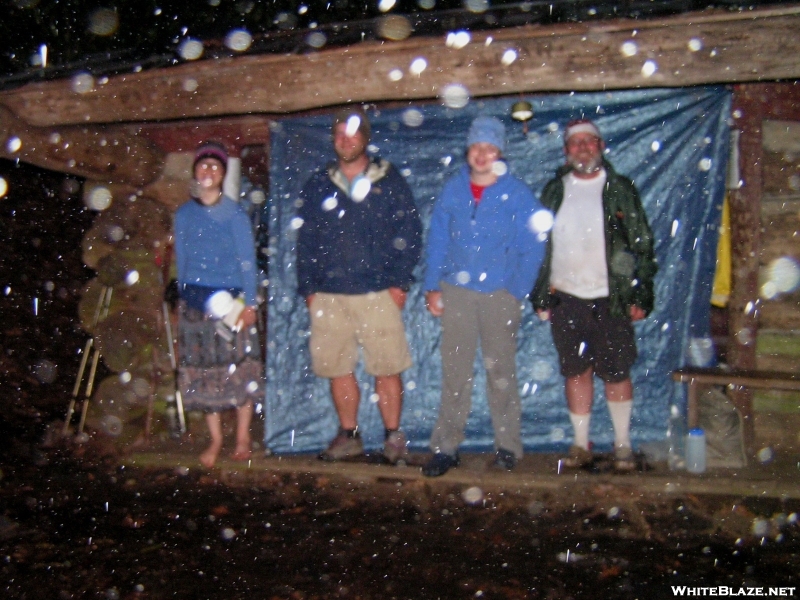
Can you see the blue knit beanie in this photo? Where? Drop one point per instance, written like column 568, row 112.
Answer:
column 489, row 130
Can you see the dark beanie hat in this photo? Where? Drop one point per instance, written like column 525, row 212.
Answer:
column 211, row 149
column 343, row 115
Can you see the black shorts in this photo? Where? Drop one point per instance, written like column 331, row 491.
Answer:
column 587, row 335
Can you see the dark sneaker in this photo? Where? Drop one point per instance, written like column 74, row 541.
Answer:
column 505, row 460
column 343, row 447
column 440, row 464
column 624, row 461
column 395, row 448
column 577, row 458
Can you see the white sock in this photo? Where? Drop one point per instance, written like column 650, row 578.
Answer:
column 621, row 418
column 580, row 423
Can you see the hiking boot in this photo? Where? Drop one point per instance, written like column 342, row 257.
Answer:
column 505, row 460
column 624, row 461
column 344, row 446
column 439, row 464
column 577, row 458
column 395, row 447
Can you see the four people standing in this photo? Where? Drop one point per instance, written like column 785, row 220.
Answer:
column 357, row 247
column 597, row 278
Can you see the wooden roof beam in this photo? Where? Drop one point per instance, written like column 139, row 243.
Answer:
column 691, row 49
column 104, row 154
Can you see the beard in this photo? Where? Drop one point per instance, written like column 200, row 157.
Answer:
column 586, row 167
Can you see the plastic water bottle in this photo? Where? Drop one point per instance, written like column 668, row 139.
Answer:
column 676, row 434
column 696, row 451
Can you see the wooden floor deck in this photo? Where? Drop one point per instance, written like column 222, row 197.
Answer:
column 535, row 474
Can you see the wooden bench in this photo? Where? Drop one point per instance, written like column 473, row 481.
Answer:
column 768, row 380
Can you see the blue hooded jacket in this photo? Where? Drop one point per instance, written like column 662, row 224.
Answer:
column 485, row 247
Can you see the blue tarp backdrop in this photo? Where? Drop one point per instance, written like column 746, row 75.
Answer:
column 673, row 143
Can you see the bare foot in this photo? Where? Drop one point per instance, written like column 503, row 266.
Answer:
column 209, row 457
column 242, row 451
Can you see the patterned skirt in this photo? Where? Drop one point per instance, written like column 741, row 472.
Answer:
column 218, row 369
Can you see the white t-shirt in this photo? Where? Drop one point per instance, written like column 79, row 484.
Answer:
column 579, row 265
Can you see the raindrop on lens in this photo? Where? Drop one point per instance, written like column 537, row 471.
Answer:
column 784, row 273
column 541, row 221
column 499, row 168
column 455, row 95
column 353, row 123
column 418, row 65
column 509, row 56
column 472, row 495
column 190, row 49
column 394, row 27
column 476, row 6
column 104, row 21
column 316, row 39
column 695, row 44
column 82, row 83
column 115, row 233
column 413, row 117
column 220, row 304
column 360, row 189
column 99, row 199
column 457, row 39
column 45, row 371
column 629, row 49
column 238, row 40
column 649, row 68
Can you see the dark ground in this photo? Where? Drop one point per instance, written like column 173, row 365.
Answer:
column 76, row 523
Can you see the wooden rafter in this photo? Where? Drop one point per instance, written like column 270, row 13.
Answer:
column 691, row 49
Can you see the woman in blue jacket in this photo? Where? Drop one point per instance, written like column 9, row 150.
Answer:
column 220, row 365
column 482, row 257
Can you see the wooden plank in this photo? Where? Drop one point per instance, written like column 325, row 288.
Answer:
column 726, row 47
column 775, row 380
column 103, row 154
column 740, row 384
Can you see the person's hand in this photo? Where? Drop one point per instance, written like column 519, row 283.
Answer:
column 543, row 314
column 309, row 300
column 399, row 296
column 248, row 317
column 637, row 314
column 433, row 300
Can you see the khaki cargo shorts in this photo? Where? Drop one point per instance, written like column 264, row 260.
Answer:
column 341, row 323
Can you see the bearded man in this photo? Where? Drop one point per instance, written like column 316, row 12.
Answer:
column 596, row 280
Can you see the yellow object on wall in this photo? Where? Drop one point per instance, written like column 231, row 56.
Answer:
column 722, row 278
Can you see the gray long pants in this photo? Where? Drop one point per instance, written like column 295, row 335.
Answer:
column 494, row 319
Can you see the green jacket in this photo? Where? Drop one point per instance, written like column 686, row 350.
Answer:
column 629, row 245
